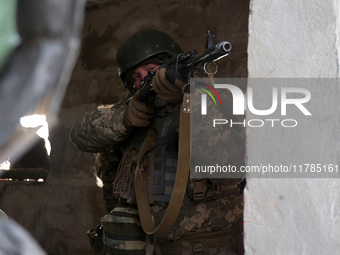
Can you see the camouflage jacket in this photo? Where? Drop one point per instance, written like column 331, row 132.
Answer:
column 101, row 130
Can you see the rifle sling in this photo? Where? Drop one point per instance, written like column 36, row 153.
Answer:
column 183, row 167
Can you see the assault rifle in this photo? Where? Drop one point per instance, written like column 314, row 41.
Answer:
column 186, row 64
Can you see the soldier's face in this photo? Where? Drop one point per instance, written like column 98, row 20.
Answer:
column 140, row 72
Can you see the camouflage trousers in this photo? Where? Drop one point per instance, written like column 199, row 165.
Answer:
column 203, row 217
column 210, row 227
column 224, row 242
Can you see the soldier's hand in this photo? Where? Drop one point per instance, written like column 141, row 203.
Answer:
column 168, row 85
column 137, row 114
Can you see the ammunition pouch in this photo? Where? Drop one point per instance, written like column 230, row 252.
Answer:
column 123, row 183
column 122, row 232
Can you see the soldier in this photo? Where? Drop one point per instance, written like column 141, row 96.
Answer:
column 207, row 224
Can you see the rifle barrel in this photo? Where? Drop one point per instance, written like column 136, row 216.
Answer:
column 213, row 54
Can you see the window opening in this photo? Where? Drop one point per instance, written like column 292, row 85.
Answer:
column 32, row 166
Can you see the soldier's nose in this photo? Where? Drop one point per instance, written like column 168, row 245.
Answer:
column 143, row 74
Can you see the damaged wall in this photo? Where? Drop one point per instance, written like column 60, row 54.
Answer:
column 59, row 212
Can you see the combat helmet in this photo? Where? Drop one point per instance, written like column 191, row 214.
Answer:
column 142, row 46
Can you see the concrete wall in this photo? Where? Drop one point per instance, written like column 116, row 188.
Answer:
column 59, row 212
column 289, row 39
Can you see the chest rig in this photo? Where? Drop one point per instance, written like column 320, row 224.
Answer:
column 158, row 166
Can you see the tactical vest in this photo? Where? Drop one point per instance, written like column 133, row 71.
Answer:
column 159, row 166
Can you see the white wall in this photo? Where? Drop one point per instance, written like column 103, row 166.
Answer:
column 295, row 39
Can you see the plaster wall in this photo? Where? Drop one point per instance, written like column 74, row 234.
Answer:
column 294, row 39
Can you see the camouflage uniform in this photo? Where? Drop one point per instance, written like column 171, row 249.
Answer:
column 106, row 163
column 102, row 131
column 207, row 225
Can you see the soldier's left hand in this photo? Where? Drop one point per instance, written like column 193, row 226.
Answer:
column 168, row 85
column 137, row 113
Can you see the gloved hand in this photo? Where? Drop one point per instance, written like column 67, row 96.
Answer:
column 137, row 114
column 168, row 85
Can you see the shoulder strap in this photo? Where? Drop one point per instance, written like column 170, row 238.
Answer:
column 183, row 167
